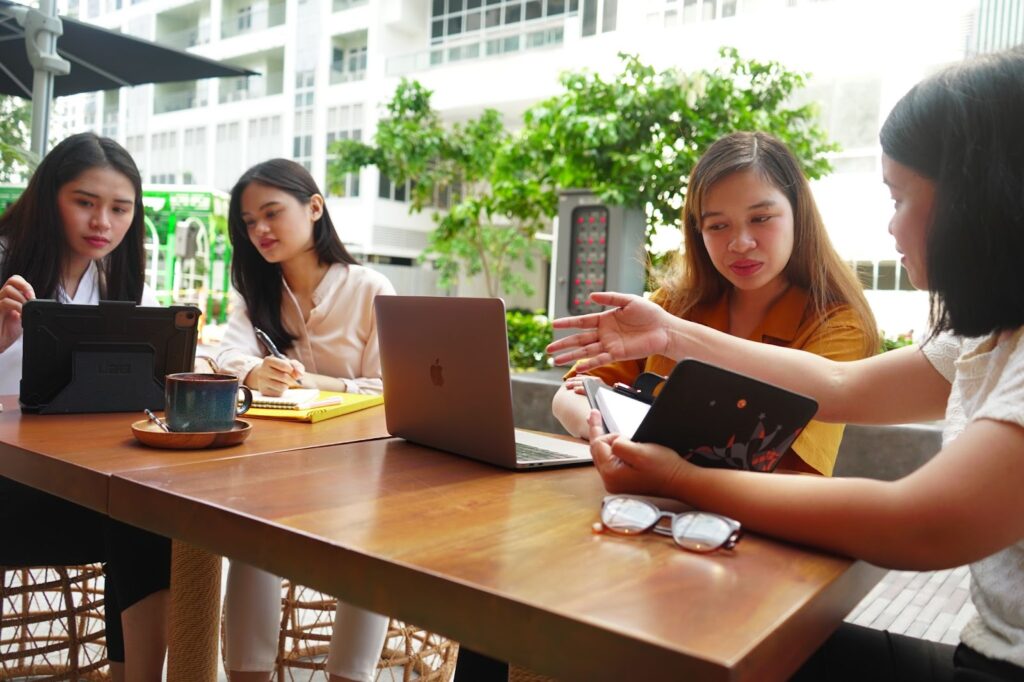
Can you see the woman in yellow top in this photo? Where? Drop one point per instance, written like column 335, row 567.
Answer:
column 757, row 263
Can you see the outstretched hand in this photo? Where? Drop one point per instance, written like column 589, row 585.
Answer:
column 634, row 328
column 636, row 468
column 13, row 295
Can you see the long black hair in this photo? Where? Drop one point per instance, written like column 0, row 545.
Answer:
column 32, row 233
column 261, row 283
column 962, row 129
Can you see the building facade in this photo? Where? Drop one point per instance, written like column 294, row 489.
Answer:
column 326, row 66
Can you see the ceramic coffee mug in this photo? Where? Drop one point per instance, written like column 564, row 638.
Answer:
column 203, row 402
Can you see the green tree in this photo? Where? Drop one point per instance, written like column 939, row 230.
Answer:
column 15, row 159
column 491, row 223
column 633, row 140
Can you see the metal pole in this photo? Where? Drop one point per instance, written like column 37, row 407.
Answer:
column 41, row 30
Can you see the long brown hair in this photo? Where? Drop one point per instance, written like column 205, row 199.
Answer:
column 814, row 264
column 32, row 240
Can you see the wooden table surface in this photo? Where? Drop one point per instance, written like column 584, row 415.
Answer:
column 74, row 455
column 503, row 562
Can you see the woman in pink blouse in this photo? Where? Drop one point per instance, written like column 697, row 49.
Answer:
column 296, row 282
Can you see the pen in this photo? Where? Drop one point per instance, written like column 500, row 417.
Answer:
column 156, row 420
column 271, row 348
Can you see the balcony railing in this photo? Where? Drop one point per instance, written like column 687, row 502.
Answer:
column 255, row 87
column 178, row 101
column 340, row 5
column 252, row 20
column 488, row 45
column 189, row 37
column 339, row 74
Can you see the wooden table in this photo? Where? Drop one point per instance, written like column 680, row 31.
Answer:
column 74, row 457
column 503, row 562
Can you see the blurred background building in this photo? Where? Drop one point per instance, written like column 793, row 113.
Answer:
column 327, row 65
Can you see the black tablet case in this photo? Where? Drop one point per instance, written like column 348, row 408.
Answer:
column 717, row 418
column 110, row 357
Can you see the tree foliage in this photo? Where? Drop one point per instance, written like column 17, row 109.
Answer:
column 15, row 159
column 632, row 139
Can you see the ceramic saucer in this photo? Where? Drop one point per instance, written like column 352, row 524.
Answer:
column 152, row 435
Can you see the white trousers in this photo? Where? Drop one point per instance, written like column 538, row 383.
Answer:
column 252, row 624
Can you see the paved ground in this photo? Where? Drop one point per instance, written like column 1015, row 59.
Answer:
column 934, row 605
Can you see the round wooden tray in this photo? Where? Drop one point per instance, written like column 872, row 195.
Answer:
column 152, row 435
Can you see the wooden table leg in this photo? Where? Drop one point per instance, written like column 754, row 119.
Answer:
column 194, row 628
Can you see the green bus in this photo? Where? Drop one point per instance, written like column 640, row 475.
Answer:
column 188, row 253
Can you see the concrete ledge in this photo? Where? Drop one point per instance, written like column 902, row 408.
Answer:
column 881, row 452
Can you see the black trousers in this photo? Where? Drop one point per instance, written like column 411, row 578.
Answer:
column 856, row 653
column 473, row 667
column 38, row 529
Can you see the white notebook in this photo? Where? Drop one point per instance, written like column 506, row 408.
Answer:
column 293, row 399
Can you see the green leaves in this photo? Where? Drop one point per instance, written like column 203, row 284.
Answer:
column 633, row 140
column 16, row 161
column 529, row 333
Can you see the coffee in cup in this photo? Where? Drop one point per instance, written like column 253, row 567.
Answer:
column 203, row 402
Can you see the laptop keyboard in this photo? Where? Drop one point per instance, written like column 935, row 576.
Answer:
column 529, row 453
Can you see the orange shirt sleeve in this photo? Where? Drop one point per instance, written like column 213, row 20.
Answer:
column 836, row 336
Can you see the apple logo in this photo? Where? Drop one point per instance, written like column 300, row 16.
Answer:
column 437, row 373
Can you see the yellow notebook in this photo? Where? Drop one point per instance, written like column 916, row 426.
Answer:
column 348, row 402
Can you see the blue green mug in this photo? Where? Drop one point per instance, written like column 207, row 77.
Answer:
column 203, row 402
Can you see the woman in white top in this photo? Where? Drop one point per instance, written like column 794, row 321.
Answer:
column 298, row 283
column 76, row 235
column 953, row 159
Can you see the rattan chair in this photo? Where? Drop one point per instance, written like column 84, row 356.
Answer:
column 51, row 623
column 307, row 620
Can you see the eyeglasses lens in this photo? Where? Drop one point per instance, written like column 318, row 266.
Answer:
column 628, row 516
column 700, row 532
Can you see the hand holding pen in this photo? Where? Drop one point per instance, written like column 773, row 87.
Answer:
column 295, row 368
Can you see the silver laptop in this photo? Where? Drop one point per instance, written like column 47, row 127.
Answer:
column 446, row 382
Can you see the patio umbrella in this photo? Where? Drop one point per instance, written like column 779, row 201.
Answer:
column 86, row 58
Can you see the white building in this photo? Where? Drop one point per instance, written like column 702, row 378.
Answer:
column 327, row 65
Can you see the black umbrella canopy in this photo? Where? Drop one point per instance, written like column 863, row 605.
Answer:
column 100, row 59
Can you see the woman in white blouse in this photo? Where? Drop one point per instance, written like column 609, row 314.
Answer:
column 295, row 281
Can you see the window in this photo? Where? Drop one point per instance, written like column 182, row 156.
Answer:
column 229, row 154
column 345, row 123
column 244, row 19
column 349, row 57
column 194, row 155
column 395, row 192
column 263, row 140
column 305, row 97
column 886, row 275
column 457, row 19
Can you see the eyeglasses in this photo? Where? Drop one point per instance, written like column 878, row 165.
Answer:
column 696, row 531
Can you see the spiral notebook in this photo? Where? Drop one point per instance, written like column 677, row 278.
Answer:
column 327, row 404
column 296, row 399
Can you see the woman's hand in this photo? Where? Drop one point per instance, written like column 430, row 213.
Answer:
column 13, row 295
column 635, row 328
column 575, row 384
column 637, row 468
column 275, row 375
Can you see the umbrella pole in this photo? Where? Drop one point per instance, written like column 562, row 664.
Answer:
column 41, row 30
